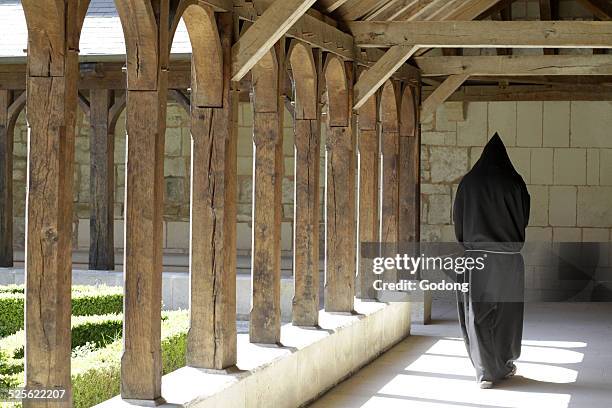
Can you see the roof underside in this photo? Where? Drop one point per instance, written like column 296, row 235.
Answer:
column 102, row 36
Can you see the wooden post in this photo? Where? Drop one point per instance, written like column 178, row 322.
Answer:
column 145, row 24
column 211, row 341
column 307, row 127
column 390, row 178
column 52, row 76
column 340, row 226
column 409, row 169
column 102, row 185
column 368, row 191
column 6, row 182
column 267, row 80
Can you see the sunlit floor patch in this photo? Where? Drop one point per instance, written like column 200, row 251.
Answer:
column 559, row 368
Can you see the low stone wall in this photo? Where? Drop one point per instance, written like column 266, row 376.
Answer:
column 309, row 362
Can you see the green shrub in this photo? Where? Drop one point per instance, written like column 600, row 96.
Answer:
column 96, row 375
column 86, row 301
column 91, row 331
column 12, row 289
column 11, row 313
column 97, row 300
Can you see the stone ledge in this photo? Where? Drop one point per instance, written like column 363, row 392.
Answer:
column 309, row 362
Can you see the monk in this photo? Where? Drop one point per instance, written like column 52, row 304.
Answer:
column 491, row 212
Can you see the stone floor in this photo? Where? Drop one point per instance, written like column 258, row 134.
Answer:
column 566, row 362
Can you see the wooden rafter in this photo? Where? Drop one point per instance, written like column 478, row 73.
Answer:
column 484, row 34
column 517, row 65
column 264, row 33
column 373, row 78
column 602, row 9
column 331, row 5
column 398, row 55
column 441, row 93
column 357, row 9
column 566, row 92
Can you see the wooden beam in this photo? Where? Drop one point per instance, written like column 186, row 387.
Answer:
column 53, row 38
column 268, row 106
column 102, row 182
column 368, row 167
column 471, row 9
column 179, row 97
column 382, row 70
column 602, row 9
column 331, row 5
column 356, row 9
column 409, row 167
column 492, row 93
column 306, row 68
column 6, row 182
column 147, row 84
column 83, row 103
column 211, row 340
column 389, row 188
column 484, row 34
column 527, row 65
column 264, row 33
column 441, row 93
column 340, row 189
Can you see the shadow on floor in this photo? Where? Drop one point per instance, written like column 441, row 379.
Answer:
column 566, row 362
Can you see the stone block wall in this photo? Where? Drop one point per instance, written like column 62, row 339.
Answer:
column 563, row 151
column 176, row 178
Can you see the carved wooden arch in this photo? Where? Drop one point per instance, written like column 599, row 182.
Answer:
column 304, row 73
column 264, row 83
column 206, row 53
column 388, row 108
column 337, row 91
column 367, row 112
column 49, row 23
column 408, row 112
column 140, row 31
column 115, row 111
column 14, row 110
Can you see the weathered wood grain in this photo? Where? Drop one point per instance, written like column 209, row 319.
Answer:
column 146, row 25
column 6, row 182
column 306, row 128
column 340, row 259
column 53, row 33
column 102, row 182
column 267, row 77
column 368, row 191
column 409, row 168
column 211, row 341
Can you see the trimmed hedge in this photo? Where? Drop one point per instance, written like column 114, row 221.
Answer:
column 97, row 331
column 11, row 313
column 86, row 301
column 96, row 374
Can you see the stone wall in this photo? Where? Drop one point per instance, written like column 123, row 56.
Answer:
column 563, row 150
column 176, row 175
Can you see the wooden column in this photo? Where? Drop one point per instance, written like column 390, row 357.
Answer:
column 145, row 24
column 102, row 181
column 211, row 341
column 267, row 80
column 52, row 75
column 307, row 127
column 6, row 182
column 390, row 176
column 340, row 261
column 409, row 169
column 368, row 191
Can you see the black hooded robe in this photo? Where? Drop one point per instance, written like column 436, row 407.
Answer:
column 491, row 211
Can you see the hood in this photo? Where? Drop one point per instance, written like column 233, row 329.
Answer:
column 495, row 155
